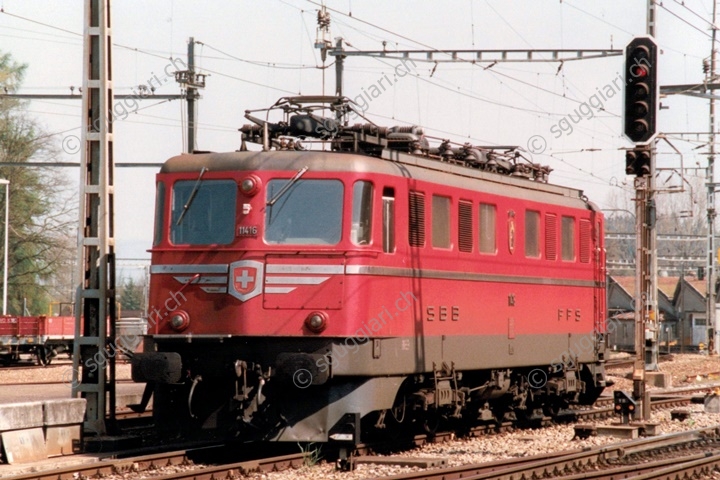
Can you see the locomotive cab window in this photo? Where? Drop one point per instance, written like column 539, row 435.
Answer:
column 361, row 227
column 308, row 212
column 159, row 214
column 203, row 212
column 532, row 234
column 568, row 239
column 388, row 216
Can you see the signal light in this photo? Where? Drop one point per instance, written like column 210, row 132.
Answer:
column 624, row 405
column 641, row 89
column 637, row 161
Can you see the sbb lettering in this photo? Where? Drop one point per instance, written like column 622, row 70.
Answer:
column 442, row 313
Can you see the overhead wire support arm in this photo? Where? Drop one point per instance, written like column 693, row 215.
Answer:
column 473, row 56
column 702, row 90
column 479, row 56
column 50, row 96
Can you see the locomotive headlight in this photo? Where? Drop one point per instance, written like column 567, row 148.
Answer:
column 179, row 320
column 316, row 322
column 250, row 185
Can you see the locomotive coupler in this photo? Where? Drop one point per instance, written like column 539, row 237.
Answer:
column 249, row 397
column 346, row 435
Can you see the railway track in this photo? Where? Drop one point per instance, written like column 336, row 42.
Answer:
column 182, row 459
column 33, row 365
column 186, row 458
column 614, row 461
column 619, row 362
column 58, row 382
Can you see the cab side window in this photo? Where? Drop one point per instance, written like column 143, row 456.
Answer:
column 361, row 227
column 388, row 219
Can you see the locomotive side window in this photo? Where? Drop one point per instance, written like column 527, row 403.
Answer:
column 440, row 221
column 203, row 212
column 488, row 243
column 568, row 239
column 388, row 214
column 159, row 213
column 465, row 228
column 361, row 229
column 551, row 236
column 416, row 235
column 532, row 234
column 308, row 213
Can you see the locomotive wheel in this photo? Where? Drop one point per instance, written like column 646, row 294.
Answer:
column 555, row 407
column 430, row 422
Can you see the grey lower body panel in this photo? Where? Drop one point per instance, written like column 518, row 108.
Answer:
column 407, row 355
column 369, row 357
column 376, row 393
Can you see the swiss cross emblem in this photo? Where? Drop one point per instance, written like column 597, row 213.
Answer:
column 246, row 279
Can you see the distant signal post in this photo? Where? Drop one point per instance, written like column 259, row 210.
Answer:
column 640, row 127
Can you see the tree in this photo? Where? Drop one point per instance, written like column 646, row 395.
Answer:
column 131, row 296
column 42, row 227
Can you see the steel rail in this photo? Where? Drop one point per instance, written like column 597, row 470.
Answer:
column 111, row 466
column 544, row 466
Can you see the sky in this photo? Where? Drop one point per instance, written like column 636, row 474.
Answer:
column 255, row 52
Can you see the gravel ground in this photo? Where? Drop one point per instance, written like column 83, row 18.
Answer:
column 686, row 369
column 495, row 447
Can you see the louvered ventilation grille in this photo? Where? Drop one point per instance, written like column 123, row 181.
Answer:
column 417, row 219
column 551, row 237
column 585, row 236
column 465, row 230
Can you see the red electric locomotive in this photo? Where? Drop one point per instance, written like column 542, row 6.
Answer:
column 351, row 278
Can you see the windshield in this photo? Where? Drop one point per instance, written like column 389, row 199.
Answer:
column 308, row 213
column 210, row 217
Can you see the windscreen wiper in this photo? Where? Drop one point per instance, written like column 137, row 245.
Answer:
column 195, row 189
column 287, row 186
